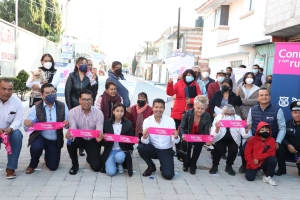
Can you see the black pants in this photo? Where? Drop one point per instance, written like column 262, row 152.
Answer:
column 268, row 166
column 192, row 160
column 92, row 149
column 220, row 148
column 283, row 154
column 177, row 124
column 165, row 156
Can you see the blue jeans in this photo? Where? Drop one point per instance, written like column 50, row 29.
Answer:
column 15, row 140
column 115, row 157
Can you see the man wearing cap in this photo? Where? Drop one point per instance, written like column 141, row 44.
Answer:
column 290, row 146
column 216, row 86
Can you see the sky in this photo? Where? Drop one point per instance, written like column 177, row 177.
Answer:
column 120, row 26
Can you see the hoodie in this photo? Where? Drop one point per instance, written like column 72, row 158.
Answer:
column 258, row 149
column 122, row 91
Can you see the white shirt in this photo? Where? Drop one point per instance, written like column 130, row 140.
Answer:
column 160, row 141
column 11, row 113
column 117, row 131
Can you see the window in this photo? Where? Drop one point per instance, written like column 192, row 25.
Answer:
column 236, row 63
column 221, row 16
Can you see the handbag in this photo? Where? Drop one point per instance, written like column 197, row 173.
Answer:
column 182, row 155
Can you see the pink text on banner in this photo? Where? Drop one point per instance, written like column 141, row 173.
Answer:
column 161, row 131
column 42, row 126
column 198, row 138
column 84, row 133
column 232, row 123
column 120, row 138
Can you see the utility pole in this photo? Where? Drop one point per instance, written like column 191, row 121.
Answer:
column 66, row 17
column 178, row 28
column 16, row 34
column 147, row 52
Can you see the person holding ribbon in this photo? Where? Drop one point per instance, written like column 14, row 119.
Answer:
column 226, row 137
column 50, row 75
column 76, row 82
column 158, row 146
column 85, row 117
column 138, row 113
column 195, row 121
column 116, row 154
column 47, row 110
column 11, row 116
column 106, row 101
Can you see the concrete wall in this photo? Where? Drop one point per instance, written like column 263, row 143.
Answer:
column 30, row 48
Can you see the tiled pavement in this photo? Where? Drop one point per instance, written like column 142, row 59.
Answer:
column 46, row 185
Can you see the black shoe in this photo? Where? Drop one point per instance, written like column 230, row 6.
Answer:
column 81, row 152
column 193, row 171
column 74, row 170
column 278, row 172
column 185, row 169
column 229, row 170
column 213, row 169
column 149, row 171
column 242, row 169
column 224, row 157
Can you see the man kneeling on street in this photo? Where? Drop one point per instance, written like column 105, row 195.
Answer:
column 158, row 146
column 260, row 154
column 85, row 117
column 47, row 110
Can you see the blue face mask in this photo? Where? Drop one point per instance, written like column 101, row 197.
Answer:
column 50, row 98
column 189, row 79
column 255, row 71
column 220, row 79
column 83, row 68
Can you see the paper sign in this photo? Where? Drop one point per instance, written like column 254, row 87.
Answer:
column 84, row 133
column 120, row 138
column 161, row 131
column 232, row 124
column 198, row 138
column 42, row 126
column 217, row 110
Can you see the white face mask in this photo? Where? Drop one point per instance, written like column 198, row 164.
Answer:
column 205, row 74
column 249, row 80
column 228, row 118
column 47, row 65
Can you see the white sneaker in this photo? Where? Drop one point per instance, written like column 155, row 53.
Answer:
column 269, row 180
column 120, row 169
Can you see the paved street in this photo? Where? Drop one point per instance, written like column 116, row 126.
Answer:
column 46, row 185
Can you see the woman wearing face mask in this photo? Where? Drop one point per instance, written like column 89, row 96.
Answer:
column 108, row 99
column 137, row 113
column 248, row 93
column 229, row 138
column 224, row 97
column 268, row 83
column 182, row 101
column 49, row 74
column 195, row 121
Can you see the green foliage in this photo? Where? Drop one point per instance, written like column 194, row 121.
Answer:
column 42, row 17
column 134, row 65
column 21, row 88
column 16, row 83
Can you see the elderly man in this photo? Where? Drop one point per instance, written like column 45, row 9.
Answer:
column 52, row 141
column 205, row 73
column 11, row 116
column 201, row 84
column 290, row 147
column 158, row 146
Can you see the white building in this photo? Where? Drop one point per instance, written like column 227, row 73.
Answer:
column 234, row 34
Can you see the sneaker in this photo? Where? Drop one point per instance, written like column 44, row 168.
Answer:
column 120, row 169
column 242, row 169
column 213, row 169
column 229, row 170
column 10, row 173
column 269, row 180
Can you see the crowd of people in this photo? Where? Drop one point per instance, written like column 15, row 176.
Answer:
column 266, row 141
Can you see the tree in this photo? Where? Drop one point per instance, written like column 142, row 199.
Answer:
column 7, row 10
column 21, row 88
column 134, row 64
column 149, row 49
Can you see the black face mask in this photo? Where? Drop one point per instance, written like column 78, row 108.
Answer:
column 264, row 134
column 225, row 88
column 269, row 81
column 118, row 72
column 141, row 103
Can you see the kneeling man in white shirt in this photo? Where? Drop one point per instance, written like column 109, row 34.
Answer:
column 158, row 146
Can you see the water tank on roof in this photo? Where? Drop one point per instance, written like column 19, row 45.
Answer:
column 199, row 22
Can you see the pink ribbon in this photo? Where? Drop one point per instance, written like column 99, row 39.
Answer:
column 198, row 138
column 5, row 141
column 161, row 131
column 232, row 124
column 84, row 133
column 120, row 138
column 42, row 126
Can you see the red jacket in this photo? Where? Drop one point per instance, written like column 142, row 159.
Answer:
column 180, row 105
column 133, row 115
column 212, row 89
column 255, row 148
